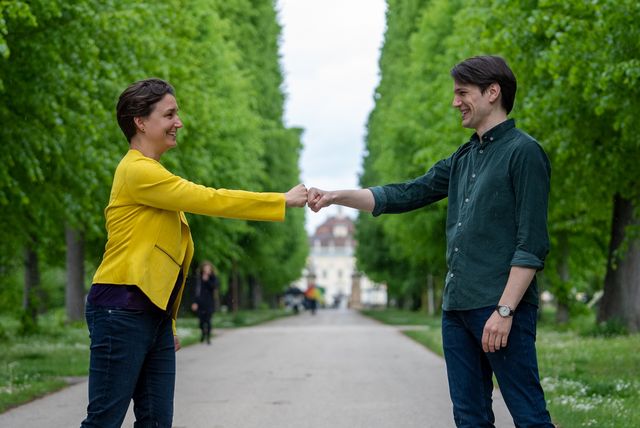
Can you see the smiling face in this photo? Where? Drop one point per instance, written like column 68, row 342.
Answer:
column 476, row 108
column 159, row 130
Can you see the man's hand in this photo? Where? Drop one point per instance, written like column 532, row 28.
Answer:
column 318, row 199
column 496, row 332
column 297, row 196
column 176, row 343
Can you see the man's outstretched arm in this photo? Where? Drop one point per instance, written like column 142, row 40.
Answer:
column 360, row 199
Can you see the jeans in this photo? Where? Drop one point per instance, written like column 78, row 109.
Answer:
column 132, row 357
column 470, row 369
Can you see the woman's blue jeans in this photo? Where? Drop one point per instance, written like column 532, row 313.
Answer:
column 470, row 369
column 132, row 357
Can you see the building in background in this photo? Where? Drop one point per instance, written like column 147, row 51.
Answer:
column 332, row 267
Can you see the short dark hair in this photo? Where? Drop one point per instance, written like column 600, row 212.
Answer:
column 139, row 100
column 482, row 71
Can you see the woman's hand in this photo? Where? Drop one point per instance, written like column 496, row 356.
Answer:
column 176, row 343
column 296, row 197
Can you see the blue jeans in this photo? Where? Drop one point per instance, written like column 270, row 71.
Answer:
column 470, row 369
column 132, row 357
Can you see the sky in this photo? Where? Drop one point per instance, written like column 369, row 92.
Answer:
column 329, row 55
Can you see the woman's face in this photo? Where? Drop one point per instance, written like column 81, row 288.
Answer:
column 206, row 270
column 160, row 128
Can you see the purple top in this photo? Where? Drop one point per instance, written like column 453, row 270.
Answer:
column 128, row 296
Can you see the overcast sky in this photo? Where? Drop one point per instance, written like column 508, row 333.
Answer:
column 330, row 51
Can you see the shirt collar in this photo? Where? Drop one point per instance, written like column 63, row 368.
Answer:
column 495, row 133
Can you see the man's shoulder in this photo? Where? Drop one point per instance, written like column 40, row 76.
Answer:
column 521, row 135
column 519, row 140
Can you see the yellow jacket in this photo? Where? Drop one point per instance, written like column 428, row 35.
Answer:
column 148, row 237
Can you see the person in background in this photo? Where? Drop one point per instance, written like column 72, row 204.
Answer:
column 133, row 302
column 204, row 298
column 311, row 296
column 497, row 186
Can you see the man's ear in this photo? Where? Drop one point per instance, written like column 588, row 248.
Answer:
column 494, row 92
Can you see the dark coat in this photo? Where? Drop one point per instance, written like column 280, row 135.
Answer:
column 204, row 292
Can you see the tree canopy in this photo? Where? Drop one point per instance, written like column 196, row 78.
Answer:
column 578, row 65
column 62, row 66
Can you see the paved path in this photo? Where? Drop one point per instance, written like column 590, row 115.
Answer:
column 337, row 369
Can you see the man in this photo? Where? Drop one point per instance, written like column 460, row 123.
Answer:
column 498, row 186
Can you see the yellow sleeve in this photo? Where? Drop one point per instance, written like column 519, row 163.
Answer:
column 149, row 183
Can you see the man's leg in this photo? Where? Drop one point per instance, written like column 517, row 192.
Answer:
column 468, row 371
column 516, row 369
column 117, row 353
column 153, row 396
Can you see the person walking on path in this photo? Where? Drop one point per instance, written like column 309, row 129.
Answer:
column 498, row 187
column 312, row 296
column 136, row 292
column 204, row 298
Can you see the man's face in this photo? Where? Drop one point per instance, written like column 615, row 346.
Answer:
column 475, row 107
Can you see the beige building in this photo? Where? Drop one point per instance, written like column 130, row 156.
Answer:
column 332, row 266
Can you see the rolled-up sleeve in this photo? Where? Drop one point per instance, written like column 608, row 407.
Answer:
column 380, row 198
column 531, row 176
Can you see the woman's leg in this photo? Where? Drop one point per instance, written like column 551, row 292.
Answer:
column 118, row 349
column 154, row 392
column 208, row 326
column 202, row 318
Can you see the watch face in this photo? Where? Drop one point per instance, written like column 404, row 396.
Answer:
column 504, row 311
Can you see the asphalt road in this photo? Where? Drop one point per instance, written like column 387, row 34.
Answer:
column 336, row 369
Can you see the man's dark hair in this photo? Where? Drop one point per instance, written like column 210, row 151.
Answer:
column 139, row 100
column 482, row 71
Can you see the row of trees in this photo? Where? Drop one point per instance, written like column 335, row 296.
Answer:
column 63, row 65
column 578, row 67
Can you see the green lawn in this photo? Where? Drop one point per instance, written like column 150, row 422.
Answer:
column 32, row 366
column 589, row 380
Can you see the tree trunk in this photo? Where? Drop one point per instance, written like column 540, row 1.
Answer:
column 31, row 291
column 621, row 298
column 255, row 292
column 74, row 291
column 234, row 287
column 431, row 296
column 562, row 306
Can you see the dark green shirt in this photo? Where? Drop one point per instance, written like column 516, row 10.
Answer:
column 498, row 192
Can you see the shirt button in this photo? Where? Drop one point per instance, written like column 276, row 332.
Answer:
column 459, row 224
column 481, row 151
column 452, row 275
column 490, row 138
column 473, row 176
column 456, row 249
column 466, row 200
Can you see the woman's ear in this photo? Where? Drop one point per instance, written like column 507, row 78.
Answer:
column 139, row 123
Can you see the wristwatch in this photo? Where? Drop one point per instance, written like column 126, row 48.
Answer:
column 504, row 311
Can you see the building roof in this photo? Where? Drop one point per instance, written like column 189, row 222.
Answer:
column 337, row 231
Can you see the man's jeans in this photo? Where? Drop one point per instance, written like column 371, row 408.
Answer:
column 470, row 369
column 132, row 356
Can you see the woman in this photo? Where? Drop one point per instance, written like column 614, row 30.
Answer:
column 133, row 303
column 203, row 305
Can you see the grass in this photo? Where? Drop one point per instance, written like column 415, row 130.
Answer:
column 590, row 378
column 35, row 365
